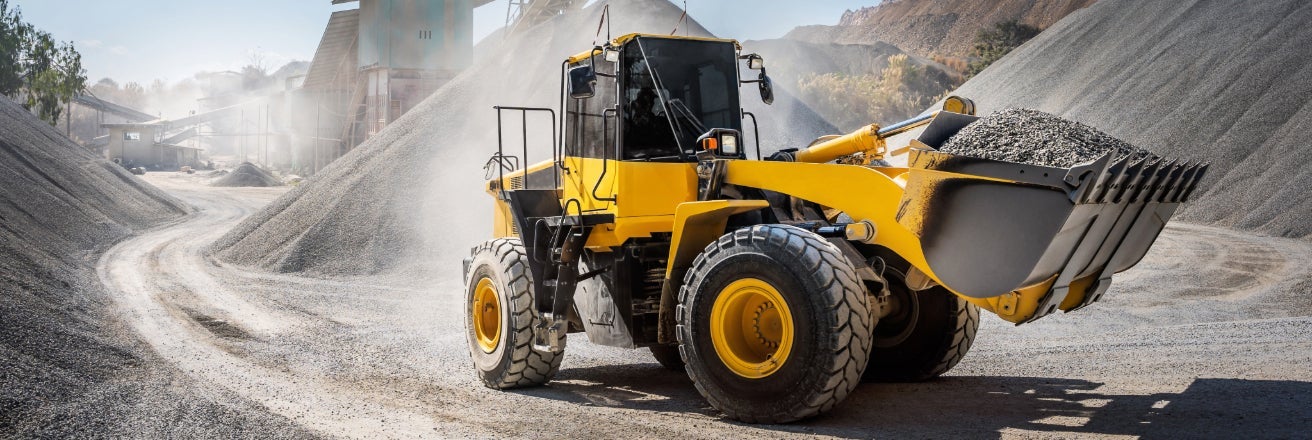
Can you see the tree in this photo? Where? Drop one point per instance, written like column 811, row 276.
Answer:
column 133, row 95
column 901, row 90
column 40, row 73
column 12, row 37
column 255, row 74
column 107, row 83
column 994, row 43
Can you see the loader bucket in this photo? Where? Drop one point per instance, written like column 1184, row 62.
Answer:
column 991, row 227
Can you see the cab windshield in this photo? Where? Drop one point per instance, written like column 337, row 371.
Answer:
column 673, row 91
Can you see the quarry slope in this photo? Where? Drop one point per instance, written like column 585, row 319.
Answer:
column 67, row 365
column 929, row 27
column 1161, row 76
column 411, row 197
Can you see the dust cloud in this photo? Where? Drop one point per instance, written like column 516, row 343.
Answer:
column 412, row 199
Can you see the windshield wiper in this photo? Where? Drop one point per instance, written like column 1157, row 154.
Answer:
column 683, row 110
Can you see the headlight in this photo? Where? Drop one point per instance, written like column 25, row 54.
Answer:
column 722, row 143
column 729, row 145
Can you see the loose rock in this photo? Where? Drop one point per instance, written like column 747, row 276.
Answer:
column 1036, row 138
column 248, row 175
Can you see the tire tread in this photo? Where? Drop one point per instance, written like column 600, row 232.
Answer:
column 528, row 366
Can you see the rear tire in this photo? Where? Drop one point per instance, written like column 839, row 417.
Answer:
column 499, row 318
column 668, row 356
column 767, row 291
column 926, row 334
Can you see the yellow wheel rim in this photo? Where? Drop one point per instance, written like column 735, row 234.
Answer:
column 487, row 315
column 751, row 328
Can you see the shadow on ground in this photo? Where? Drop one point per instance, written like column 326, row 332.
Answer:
column 983, row 406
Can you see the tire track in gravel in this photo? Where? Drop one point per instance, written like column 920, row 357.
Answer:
column 144, row 275
column 315, row 343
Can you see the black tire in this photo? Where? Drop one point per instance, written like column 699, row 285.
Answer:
column 668, row 356
column 926, row 334
column 831, row 324
column 513, row 363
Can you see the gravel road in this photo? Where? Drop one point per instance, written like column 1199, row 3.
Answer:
column 1210, row 336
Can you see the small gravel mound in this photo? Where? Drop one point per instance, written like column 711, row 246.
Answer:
column 248, row 175
column 1036, row 138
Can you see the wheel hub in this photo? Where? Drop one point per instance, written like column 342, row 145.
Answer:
column 766, row 325
column 486, row 315
column 903, row 313
column 751, row 328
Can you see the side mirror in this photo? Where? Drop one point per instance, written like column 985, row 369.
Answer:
column 582, row 82
column 755, row 62
column 767, row 89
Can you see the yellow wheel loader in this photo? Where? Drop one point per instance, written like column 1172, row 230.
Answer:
column 778, row 283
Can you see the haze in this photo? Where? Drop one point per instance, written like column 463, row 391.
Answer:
column 144, row 40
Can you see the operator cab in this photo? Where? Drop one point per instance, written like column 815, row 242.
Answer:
column 656, row 99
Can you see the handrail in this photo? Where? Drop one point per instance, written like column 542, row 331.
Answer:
column 605, row 128
column 756, row 131
column 524, row 121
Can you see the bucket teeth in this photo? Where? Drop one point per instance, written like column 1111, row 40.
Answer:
column 1193, row 180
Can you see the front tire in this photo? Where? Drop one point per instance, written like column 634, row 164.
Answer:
column 774, row 324
column 499, row 318
column 924, row 335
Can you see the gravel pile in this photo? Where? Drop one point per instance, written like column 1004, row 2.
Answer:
column 1036, row 138
column 934, row 27
column 247, row 175
column 409, row 199
column 1237, row 98
column 67, row 367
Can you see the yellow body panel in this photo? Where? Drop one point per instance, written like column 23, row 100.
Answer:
column 581, row 178
column 646, row 195
column 604, row 237
column 832, row 185
column 698, row 223
column 502, row 221
column 640, row 188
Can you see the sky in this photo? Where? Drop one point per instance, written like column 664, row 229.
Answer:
column 171, row 40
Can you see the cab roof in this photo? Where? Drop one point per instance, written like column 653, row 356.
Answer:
column 621, row 40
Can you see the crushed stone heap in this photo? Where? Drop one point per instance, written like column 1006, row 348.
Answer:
column 248, row 175
column 1036, row 138
column 1236, row 99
